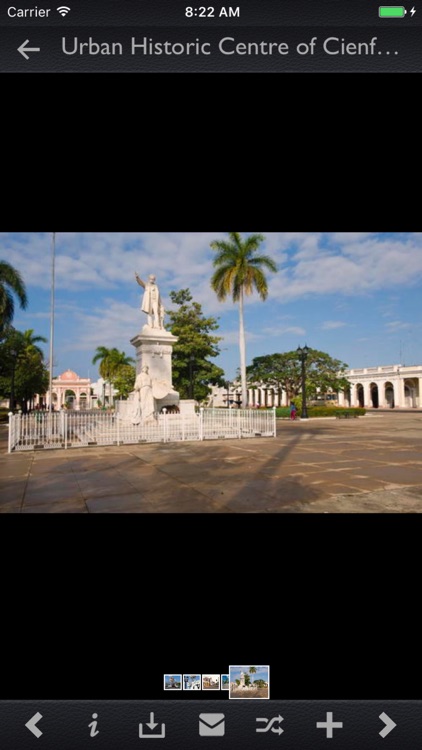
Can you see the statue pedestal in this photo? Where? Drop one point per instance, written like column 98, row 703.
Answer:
column 187, row 406
column 154, row 348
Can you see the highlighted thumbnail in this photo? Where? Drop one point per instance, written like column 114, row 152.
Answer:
column 249, row 682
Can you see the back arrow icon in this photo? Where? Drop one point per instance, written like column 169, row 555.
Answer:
column 389, row 724
column 31, row 724
column 23, row 49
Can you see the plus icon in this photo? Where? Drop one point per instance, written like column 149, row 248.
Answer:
column 329, row 724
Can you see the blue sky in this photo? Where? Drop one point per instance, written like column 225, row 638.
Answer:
column 354, row 295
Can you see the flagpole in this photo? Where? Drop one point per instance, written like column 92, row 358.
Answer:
column 53, row 252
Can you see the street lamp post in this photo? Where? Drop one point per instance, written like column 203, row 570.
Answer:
column 303, row 355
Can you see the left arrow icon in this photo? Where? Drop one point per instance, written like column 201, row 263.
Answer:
column 23, row 49
column 32, row 724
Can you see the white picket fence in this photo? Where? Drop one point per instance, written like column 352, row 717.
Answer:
column 66, row 429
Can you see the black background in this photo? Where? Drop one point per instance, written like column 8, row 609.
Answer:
column 102, row 606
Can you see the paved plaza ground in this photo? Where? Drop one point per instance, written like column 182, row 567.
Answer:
column 368, row 465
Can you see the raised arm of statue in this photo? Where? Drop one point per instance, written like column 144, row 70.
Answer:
column 139, row 280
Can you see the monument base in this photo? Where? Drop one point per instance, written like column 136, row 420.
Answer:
column 154, row 348
column 187, row 406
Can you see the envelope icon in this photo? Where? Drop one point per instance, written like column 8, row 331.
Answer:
column 211, row 725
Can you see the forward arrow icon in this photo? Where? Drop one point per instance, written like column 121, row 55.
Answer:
column 389, row 724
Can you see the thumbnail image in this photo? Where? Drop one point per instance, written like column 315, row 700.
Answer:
column 225, row 682
column 191, row 682
column 172, row 682
column 249, row 682
column 210, row 682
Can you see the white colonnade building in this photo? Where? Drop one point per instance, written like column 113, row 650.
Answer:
column 394, row 386
column 386, row 386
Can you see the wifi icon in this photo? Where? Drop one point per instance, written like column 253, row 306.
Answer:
column 63, row 10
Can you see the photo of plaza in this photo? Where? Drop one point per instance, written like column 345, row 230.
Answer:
column 210, row 682
column 249, row 682
column 133, row 384
column 172, row 682
column 225, row 682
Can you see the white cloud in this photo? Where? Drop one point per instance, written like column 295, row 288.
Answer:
column 329, row 325
column 232, row 337
column 113, row 325
column 354, row 267
column 315, row 263
column 397, row 325
column 280, row 330
column 346, row 237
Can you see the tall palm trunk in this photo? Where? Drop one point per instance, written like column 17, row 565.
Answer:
column 242, row 349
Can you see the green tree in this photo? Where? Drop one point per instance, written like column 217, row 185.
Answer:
column 124, row 380
column 30, row 341
column 192, row 369
column 102, row 355
column 118, row 361
column 239, row 272
column 252, row 670
column 110, row 360
column 10, row 283
column 247, row 680
column 284, row 372
column 31, row 377
column 23, row 373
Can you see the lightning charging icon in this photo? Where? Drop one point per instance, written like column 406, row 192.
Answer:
column 413, row 11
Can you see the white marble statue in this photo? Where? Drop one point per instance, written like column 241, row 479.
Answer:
column 144, row 404
column 151, row 302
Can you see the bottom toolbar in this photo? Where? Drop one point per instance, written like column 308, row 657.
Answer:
column 247, row 723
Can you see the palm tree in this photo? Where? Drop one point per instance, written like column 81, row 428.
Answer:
column 24, row 342
column 30, row 342
column 102, row 355
column 10, row 283
column 252, row 670
column 239, row 271
column 21, row 350
column 117, row 360
column 31, row 351
column 110, row 361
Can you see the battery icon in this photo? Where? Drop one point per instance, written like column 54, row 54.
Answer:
column 391, row 11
